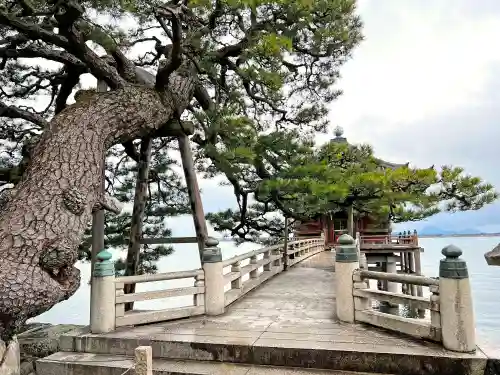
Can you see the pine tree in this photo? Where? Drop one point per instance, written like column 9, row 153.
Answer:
column 309, row 181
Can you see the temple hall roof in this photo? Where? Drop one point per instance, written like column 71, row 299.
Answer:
column 339, row 138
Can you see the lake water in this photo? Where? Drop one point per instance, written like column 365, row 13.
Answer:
column 485, row 282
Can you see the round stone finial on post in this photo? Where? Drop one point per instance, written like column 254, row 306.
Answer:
column 211, row 253
column 211, row 242
column 104, row 255
column 104, row 266
column 452, row 266
column 338, row 131
column 455, row 302
column 346, row 251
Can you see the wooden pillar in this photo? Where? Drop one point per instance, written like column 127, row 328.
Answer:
column 350, row 220
column 98, row 216
column 403, row 270
column 413, row 289
column 418, row 272
column 285, row 246
column 200, row 224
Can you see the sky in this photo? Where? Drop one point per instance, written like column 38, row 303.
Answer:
column 423, row 87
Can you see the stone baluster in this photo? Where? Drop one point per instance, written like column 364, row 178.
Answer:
column 255, row 273
column 361, row 303
column 103, row 295
column 199, row 299
column 455, row 302
column 277, row 263
column 236, row 283
column 267, row 257
column 346, row 262
column 119, row 307
column 434, row 310
column 214, row 278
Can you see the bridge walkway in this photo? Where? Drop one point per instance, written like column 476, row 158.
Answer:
column 287, row 321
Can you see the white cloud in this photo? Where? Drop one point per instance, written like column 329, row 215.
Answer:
column 420, row 59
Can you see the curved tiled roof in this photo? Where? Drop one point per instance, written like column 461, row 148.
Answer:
column 340, row 139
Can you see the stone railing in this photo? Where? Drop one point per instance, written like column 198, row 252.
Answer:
column 209, row 293
column 263, row 264
column 450, row 301
column 404, row 238
column 108, row 299
column 197, row 292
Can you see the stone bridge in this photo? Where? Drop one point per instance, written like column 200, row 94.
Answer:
column 284, row 309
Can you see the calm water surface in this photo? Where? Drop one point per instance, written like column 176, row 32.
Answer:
column 485, row 282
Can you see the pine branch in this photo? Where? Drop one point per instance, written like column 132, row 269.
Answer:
column 175, row 58
column 36, row 51
column 15, row 112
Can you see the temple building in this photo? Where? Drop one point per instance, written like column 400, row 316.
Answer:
column 347, row 221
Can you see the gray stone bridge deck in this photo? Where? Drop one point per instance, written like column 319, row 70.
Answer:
column 288, row 321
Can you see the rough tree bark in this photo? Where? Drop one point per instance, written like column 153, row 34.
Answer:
column 44, row 219
column 140, row 197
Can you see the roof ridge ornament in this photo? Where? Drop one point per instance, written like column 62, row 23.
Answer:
column 338, row 131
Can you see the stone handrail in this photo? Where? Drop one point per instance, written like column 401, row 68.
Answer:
column 260, row 270
column 363, row 297
column 209, row 294
column 401, row 239
column 450, row 303
column 197, row 291
column 397, row 278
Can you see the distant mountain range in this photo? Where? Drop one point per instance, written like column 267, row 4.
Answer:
column 486, row 220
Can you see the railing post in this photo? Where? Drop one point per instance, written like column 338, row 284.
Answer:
column 455, row 302
column 103, row 295
column 143, row 363
column 236, row 283
column 267, row 256
column 346, row 261
column 277, row 261
column 255, row 273
column 198, row 299
column 214, row 278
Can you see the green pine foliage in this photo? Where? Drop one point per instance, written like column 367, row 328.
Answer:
column 330, row 178
column 266, row 71
column 167, row 197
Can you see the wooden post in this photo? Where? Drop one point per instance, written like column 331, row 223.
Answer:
column 200, row 224
column 285, row 246
column 418, row 272
column 350, row 220
column 98, row 216
column 136, row 224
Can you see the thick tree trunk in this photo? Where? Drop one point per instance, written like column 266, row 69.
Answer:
column 140, row 197
column 43, row 221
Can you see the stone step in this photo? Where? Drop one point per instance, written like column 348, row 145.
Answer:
column 284, row 351
column 64, row 363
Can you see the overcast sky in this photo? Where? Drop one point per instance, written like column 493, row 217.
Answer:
column 423, row 87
